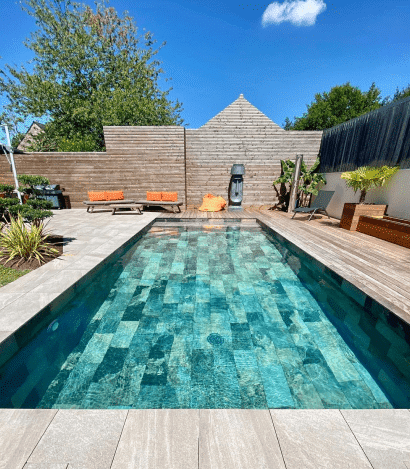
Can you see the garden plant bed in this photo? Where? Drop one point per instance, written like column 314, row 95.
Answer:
column 394, row 230
column 16, row 264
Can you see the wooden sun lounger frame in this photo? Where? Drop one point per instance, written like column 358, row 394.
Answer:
column 105, row 203
column 173, row 205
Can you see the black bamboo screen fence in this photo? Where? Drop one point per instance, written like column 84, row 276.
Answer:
column 380, row 137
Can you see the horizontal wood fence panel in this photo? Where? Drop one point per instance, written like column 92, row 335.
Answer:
column 192, row 162
column 241, row 134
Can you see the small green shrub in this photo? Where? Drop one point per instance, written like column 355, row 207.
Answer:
column 39, row 204
column 30, row 214
column 7, row 189
column 32, row 180
column 5, row 205
column 25, row 242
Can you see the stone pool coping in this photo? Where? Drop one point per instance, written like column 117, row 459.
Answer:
column 204, row 438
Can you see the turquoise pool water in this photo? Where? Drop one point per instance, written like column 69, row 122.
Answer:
column 197, row 316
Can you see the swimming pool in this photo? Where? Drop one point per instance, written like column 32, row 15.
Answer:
column 200, row 316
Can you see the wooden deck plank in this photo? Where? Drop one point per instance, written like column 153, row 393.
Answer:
column 371, row 262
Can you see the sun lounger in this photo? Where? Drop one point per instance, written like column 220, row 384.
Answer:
column 173, row 205
column 105, row 203
column 318, row 205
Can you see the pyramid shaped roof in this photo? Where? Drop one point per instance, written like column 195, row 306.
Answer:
column 241, row 113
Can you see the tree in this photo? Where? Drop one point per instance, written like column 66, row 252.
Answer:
column 340, row 104
column 90, row 69
column 399, row 94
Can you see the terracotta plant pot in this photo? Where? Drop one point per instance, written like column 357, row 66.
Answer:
column 352, row 212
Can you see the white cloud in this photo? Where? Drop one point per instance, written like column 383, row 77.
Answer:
column 298, row 12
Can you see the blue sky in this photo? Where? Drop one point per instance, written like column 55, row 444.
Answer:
column 218, row 49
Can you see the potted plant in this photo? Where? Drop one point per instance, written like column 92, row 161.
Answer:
column 364, row 179
column 308, row 184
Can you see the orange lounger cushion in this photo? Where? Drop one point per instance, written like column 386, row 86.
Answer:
column 212, row 203
column 97, row 196
column 169, row 196
column 115, row 195
column 155, row 196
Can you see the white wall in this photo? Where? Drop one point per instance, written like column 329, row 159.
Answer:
column 396, row 194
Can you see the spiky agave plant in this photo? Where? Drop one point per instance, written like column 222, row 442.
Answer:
column 26, row 242
column 366, row 177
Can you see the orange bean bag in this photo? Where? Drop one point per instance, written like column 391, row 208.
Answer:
column 212, row 203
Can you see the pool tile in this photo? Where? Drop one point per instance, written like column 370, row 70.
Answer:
column 150, row 397
column 341, row 367
column 202, row 367
column 276, row 387
column 112, row 363
column 226, row 386
column 77, row 384
column 146, row 345
column 327, row 387
column 124, row 334
column 359, row 395
column 96, row 348
column 202, row 397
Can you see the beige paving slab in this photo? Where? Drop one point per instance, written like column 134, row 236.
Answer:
column 24, row 308
column 384, row 435
column 86, row 438
column 159, row 439
column 45, row 466
column 61, row 282
column 20, row 431
column 7, row 298
column 238, row 439
column 313, row 439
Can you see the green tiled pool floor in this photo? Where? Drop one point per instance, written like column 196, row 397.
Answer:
column 211, row 318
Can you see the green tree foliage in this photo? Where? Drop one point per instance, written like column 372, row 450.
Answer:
column 91, row 68
column 398, row 95
column 340, row 104
column 17, row 138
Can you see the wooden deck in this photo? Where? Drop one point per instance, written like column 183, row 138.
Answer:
column 378, row 268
